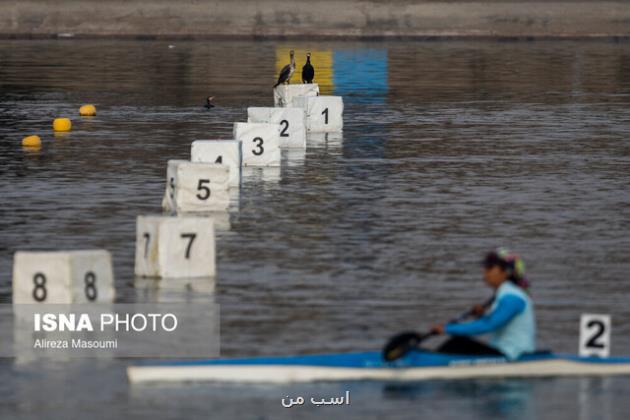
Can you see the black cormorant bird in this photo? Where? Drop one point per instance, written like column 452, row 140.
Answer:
column 209, row 103
column 286, row 72
column 308, row 72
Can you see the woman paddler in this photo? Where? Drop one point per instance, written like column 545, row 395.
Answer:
column 509, row 320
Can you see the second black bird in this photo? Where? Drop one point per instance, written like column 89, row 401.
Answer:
column 308, row 72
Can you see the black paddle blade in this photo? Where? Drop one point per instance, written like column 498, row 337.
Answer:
column 401, row 344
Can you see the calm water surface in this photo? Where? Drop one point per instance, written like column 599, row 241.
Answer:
column 449, row 149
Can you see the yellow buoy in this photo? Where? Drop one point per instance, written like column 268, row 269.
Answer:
column 32, row 141
column 87, row 110
column 62, row 124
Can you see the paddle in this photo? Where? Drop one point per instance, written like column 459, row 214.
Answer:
column 403, row 343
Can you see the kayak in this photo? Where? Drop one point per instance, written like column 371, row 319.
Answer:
column 415, row 366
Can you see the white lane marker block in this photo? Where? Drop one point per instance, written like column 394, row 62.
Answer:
column 196, row 187
column 175, row 247
column 63, row 277
column 168, row 202
column 324, row 114
column 283, row 95
column 227, row 152
column 202, row 187
column 260, row 143
column 292, row 124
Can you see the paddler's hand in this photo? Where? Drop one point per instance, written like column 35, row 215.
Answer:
column 478, row 310
column 437, row 329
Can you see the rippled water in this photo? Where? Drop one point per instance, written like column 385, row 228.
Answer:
column 449, row 149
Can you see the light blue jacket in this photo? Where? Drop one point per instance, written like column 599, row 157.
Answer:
column 510, row 320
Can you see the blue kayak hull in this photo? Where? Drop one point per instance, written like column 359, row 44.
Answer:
column 418, row 365
column 374, row 359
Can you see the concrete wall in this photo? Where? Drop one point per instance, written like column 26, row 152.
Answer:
column 324, row 18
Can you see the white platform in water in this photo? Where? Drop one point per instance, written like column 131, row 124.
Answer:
column 63, row 277
column 175, row 247
column 193, row 187
column 324, row 114
column 283, row 95
column 227, row 152
column 168, row 201
column 292, row 124
column 260, row 143
column 369, row 366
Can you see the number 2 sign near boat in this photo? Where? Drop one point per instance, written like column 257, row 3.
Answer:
column 595, row 330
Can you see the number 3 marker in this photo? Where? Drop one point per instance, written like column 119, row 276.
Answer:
column 259, row 146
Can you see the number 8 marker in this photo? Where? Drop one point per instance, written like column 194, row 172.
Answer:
column 39, row 292
column 90, row 286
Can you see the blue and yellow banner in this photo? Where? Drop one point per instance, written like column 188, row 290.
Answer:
column 359, row 75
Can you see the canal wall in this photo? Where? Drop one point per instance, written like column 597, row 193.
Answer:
column 314, row 19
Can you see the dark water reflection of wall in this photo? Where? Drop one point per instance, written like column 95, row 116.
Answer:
column 466, row 71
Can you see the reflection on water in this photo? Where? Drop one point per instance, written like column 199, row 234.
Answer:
column 358, row 74
column 501, row 398
column 321, row 59
column 165, row 290
column 261, row 175
column 294, row 157
column 448, row 149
